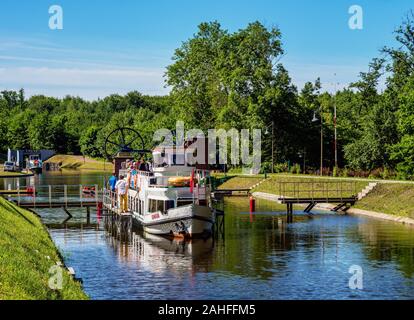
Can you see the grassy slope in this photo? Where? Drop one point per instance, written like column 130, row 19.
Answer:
column 77, row 162
column 7, row 174
column 391, row 198
column 240, row 183
column 24, row 266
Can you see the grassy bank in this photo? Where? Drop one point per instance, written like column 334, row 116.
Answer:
column 80, row 163
column 241, row 182
column 26, row 255
column 9, row 174
column 390, row 198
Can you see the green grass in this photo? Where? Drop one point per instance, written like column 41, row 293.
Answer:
column 25, row 246
column 241, row 182
column 390, row 198
column 8, row 174
column 80, row 163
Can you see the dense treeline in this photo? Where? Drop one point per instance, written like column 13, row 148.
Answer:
column 236, row 80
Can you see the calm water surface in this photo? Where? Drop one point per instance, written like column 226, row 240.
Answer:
column 260, row 257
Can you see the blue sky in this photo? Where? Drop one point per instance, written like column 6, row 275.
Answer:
column 109, row 46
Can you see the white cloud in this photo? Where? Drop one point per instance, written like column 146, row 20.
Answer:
column 87, row 83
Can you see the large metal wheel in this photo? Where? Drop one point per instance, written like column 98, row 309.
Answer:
column 124, row 140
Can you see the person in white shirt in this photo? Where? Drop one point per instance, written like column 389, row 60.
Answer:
column 121, row 188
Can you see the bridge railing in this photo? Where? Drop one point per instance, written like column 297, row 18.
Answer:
column 53, row 194
column 316, row 190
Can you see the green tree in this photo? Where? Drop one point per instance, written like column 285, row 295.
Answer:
column 88, row 142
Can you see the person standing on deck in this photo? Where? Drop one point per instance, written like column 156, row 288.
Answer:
column 121, row 189
column 143, row 166
column 112, row 182
column 133, row 183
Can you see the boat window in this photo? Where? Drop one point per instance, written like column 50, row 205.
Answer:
column 160, row 205
column 156, row 205
column 169, row 204
column 152, row 205
column 181, row 203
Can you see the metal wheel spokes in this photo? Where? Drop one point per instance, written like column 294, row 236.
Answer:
column 124, row 140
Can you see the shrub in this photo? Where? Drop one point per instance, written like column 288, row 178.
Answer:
column 344, row 173
column 281, row 167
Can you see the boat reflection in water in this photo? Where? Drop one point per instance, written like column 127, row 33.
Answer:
column 158, row 254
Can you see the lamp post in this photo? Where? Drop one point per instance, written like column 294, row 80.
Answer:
column 336, row 135
column 273, row 142
column 303, row 155
column 314, row 120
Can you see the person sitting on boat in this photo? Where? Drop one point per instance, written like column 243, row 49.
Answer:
column 121, row 189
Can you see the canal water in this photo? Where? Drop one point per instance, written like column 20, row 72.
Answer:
column 258, row 257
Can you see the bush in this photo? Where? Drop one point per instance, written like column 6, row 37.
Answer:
column 281, row 167
column 376, row 173
column 266, row 167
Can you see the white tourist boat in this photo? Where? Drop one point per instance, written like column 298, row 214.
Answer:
column 171, row 200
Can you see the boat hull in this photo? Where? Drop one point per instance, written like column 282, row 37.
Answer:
column 184, row 222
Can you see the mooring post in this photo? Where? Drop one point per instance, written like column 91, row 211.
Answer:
column 252, row 207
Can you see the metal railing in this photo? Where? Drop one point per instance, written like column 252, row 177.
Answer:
column 317, row 190
column 57, row 194
column 109, row 199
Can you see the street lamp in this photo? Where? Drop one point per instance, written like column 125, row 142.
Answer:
column 315, row 119
column 273, row 143
column 336, row 135
column 303, row 155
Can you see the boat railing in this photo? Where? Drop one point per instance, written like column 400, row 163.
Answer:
column 110, row 199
